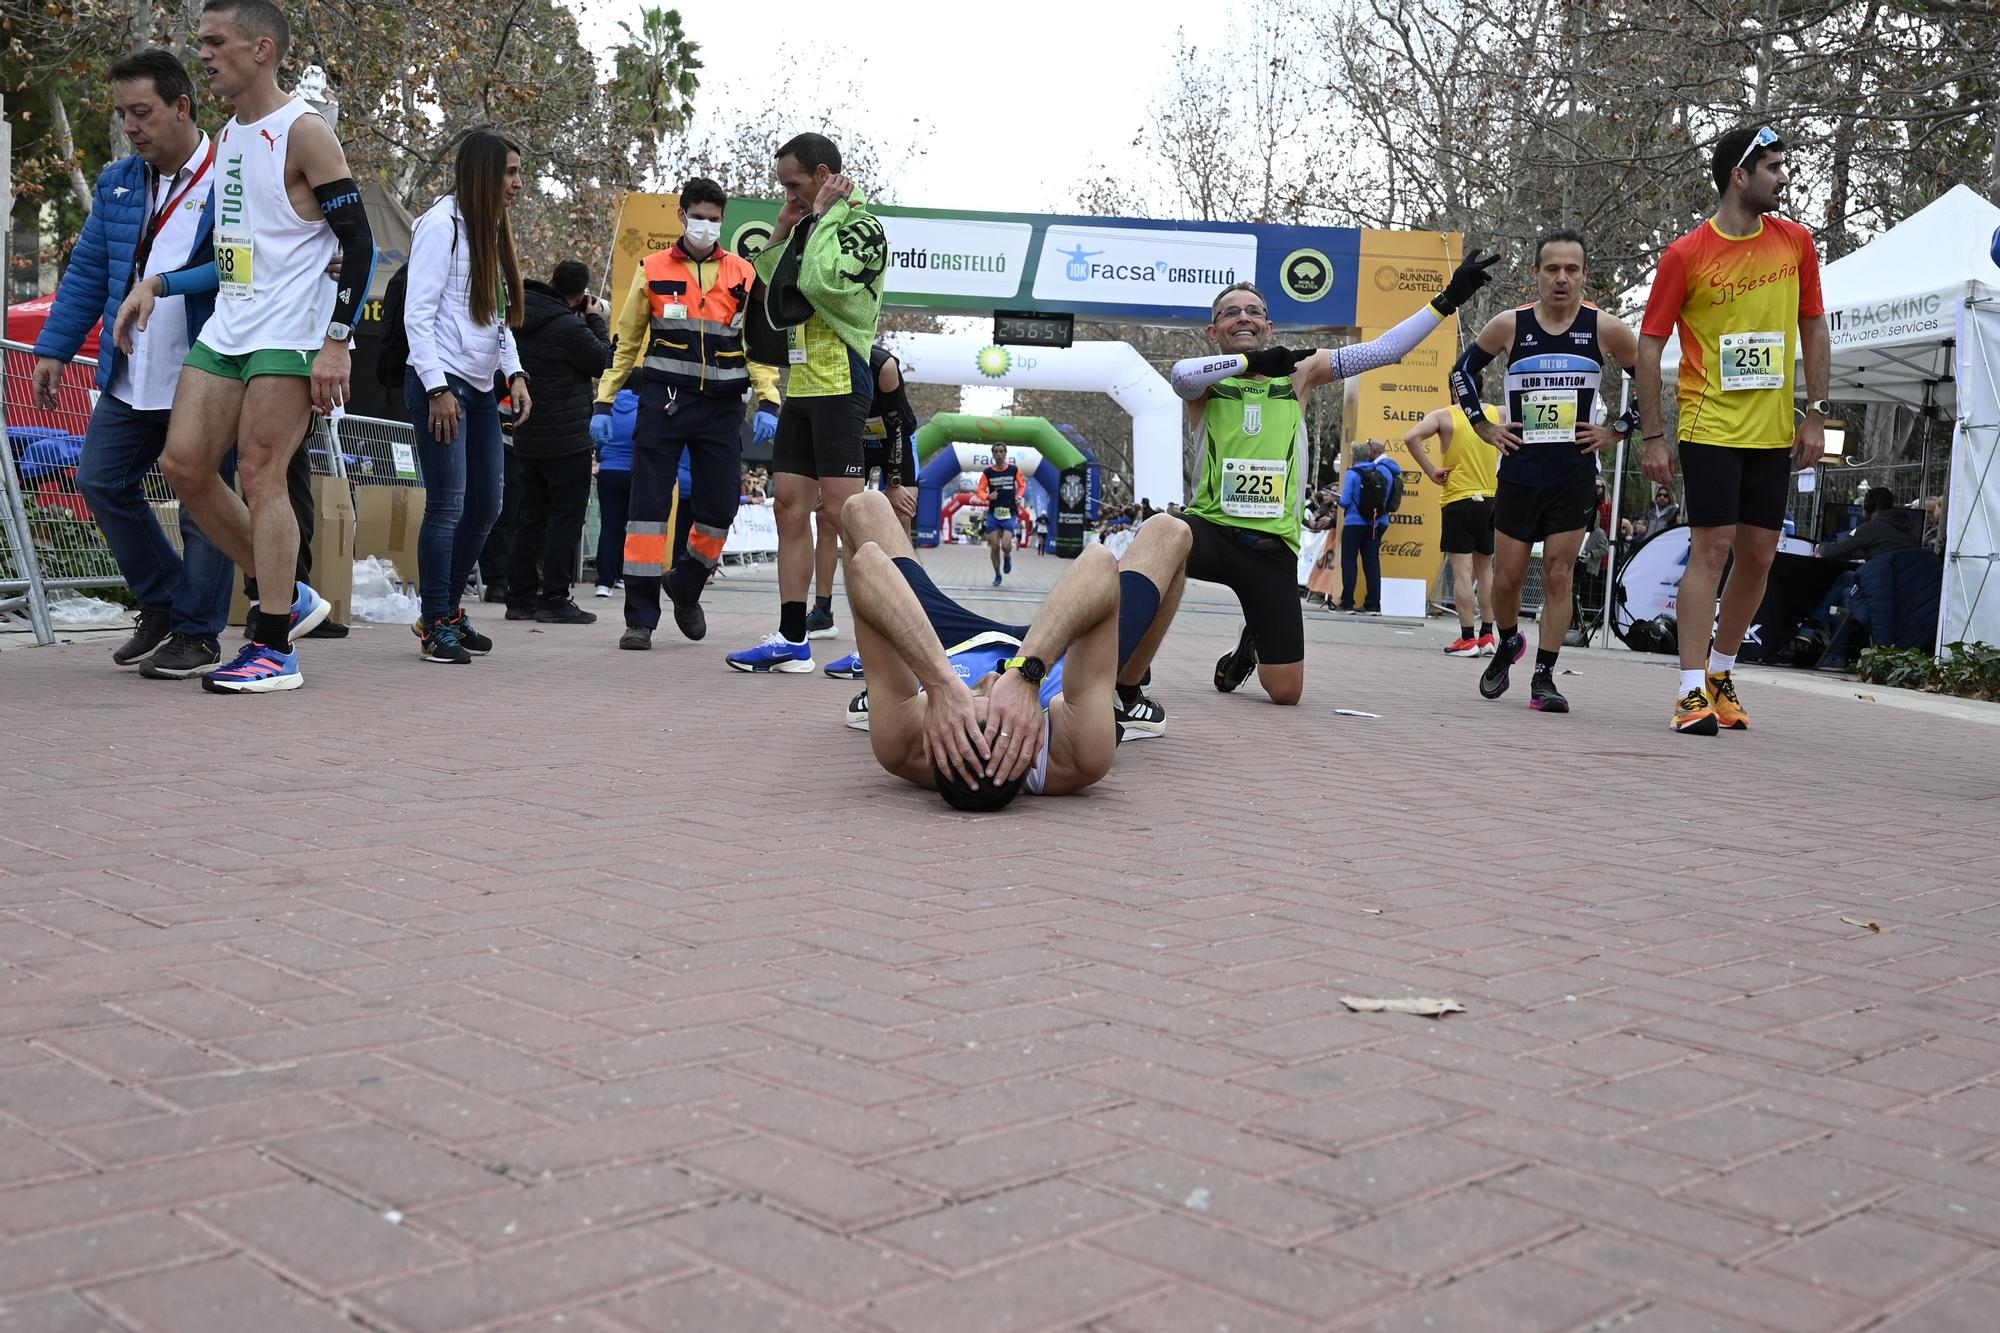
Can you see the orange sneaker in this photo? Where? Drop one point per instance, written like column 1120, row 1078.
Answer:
column 1729, row 712
column 1465, row 645
column 1694, row 714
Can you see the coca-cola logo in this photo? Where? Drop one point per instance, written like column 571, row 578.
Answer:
column 1409, row 550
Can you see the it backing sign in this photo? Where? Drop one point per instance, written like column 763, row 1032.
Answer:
column 1399, row 272
column 955, row 261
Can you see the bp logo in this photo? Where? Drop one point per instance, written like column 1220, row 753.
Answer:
column 993, row 362
column 1306, row 275
column 750, row 238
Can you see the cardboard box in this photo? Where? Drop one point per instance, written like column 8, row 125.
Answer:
column 386, row 520
column 332, row 552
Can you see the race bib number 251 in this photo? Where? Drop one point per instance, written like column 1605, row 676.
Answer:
column 1752, row 361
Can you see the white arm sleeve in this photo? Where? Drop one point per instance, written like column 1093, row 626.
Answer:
column 1194, row 376
column 1359, row 358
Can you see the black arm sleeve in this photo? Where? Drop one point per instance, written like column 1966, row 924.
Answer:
column 340, row 204
column 902, row 423
column 1465, row 386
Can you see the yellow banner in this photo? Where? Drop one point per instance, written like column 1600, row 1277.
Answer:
column 1400, row 270
column 646, row 222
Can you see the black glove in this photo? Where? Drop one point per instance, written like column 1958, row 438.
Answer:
column 1466, row 280
column 1276, row 362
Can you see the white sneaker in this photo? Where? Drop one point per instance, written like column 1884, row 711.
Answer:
column 602, row 591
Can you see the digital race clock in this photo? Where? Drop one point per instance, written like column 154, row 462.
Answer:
column 1019, row 328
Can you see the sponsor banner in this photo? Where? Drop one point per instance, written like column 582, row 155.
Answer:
column 753, row 531
column 1898, row 320
column 956, row 261
column 1397, row 271
column 1132, row 266
column 646, row 222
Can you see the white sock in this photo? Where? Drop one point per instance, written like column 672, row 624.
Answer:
column 1693, row 680
column 1720, row 662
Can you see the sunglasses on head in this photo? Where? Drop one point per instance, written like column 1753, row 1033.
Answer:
column 1763, row 138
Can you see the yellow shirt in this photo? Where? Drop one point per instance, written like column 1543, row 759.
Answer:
column 1474, row 463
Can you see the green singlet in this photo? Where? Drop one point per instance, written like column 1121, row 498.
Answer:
column 1253, row 436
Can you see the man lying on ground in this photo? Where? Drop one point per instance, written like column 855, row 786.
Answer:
column 978, row 710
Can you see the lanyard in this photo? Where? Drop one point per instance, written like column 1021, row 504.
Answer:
column 158, row 221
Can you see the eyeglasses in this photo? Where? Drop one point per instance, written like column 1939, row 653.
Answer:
column 1764, row 138
column 1239, row 311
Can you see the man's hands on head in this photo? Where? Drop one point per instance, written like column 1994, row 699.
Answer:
column 952, row 739
column 836, row 188
column 1014, row 723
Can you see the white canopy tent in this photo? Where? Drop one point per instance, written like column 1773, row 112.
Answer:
column 1915, row 320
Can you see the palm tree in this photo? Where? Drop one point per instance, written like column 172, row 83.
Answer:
column 655, row 76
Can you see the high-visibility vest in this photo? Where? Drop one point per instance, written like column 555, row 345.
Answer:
column 695, row 340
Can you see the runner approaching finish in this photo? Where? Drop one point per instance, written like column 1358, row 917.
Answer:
column 276, row 349
column 1465, row 510
column 1246, row 411
column 823, row 270
column 1743, row 289
column 978, row 710
column 1556, row 348
column 1001, row 487
column 888, row 447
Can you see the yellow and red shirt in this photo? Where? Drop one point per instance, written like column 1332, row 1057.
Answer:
column 1737, row 301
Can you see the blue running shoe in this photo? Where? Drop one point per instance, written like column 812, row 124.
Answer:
column 309, row 611
column 256, row 669
column 1007, row 562
column 996, row 580
column 776, row 653
column 845, row 668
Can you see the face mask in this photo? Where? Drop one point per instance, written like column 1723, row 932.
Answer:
column 702, row 232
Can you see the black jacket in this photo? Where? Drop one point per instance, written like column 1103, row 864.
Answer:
column 1889, row 530
column 563, row 353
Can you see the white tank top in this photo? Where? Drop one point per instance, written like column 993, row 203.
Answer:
column 271, row 262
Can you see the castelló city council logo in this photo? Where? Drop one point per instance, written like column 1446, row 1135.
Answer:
column 993, row 362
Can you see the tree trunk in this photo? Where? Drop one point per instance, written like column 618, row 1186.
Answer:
column 66, row 143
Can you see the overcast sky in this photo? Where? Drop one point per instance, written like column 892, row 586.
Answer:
column 1020, row 104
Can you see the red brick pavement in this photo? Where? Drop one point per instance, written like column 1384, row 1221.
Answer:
column 622, row 989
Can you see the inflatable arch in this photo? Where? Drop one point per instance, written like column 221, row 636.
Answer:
column 1111, row 368
column 952, row 443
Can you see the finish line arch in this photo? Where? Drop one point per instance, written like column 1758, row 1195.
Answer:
column 941, row 460
column 1114, row 369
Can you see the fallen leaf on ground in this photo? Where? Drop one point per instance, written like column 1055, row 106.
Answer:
column 1866, row 698
column 1865, row 925
column 1372, row 911
column 1422, row 1006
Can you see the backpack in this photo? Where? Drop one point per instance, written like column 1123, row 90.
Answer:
column 392, row 353
column 1381, row 492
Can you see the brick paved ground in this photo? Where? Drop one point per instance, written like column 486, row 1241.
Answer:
column 618, row 992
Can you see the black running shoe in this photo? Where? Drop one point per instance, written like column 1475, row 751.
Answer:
column 147, row 636
column 1142, row 719
column 569, row 613
column 469, row 638
column 1543, row 696
column 438, row 641
column 819, row 625
column 520, row 613
column 689, row 618
column 181, row 656
column 1493, row 680
column 857, row 711
column 1233, row 668
column 636, row 638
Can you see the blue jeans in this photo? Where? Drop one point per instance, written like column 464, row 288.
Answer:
column 1361, row 542
column 119, row 447
column 461, row 491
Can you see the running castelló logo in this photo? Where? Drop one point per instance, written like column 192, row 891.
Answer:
column 993, row 362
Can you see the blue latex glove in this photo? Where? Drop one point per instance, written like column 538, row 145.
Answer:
column 764, row 426
column 600, row 429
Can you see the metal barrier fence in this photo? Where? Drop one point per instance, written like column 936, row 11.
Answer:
column 48, row 539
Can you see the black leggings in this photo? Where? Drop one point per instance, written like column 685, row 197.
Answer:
column 1263, row 572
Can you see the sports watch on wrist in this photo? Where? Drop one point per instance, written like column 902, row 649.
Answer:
column 1032, row 669
column 1822, row 406
column 339, row 333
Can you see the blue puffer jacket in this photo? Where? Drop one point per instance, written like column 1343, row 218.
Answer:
column 1903, row 589
column 100, row 268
